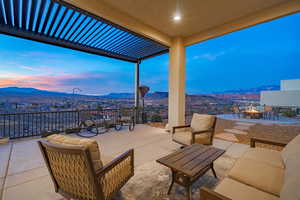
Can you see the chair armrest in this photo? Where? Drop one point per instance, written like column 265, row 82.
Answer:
column 115, row 174
column 207, row 194
column 254, row 140
column 205, row 131
column 178, row 127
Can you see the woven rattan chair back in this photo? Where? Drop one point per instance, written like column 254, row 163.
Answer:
column 72, row 171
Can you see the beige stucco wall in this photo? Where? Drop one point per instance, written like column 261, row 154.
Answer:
column 290, row 85
column 280, row 98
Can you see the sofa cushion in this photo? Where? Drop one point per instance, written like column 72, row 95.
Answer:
column 183, row 137
column 292, row 166
column 203, row 138
column 260, row 175
column 290, row 189
column 267, row 156
column 92, row 146
column 293, row 147
column 238, row 191
column 202, row 122
column 106, row 159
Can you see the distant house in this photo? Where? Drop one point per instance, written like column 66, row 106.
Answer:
column 287, row 96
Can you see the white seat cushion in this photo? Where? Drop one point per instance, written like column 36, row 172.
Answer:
column 267, row 156
column 203, row 138
column 290, row 189
column 291, row 158
column 260, row 175
column 293, row 147
column 183, row 137
column 106, row 159
column 238, row 191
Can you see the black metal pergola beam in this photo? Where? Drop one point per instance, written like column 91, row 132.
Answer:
column 62, row 43
column 59, row 23
column 155, row 54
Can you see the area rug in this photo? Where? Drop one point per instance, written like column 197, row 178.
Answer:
column 151, row 182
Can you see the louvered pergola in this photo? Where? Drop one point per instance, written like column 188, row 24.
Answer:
column 59, row 23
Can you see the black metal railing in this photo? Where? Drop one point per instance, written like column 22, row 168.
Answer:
column 18, row 125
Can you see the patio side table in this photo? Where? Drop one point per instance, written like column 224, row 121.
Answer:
column 190, row 163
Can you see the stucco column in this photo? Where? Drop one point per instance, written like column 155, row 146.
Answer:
column 176, row 111
column 136, row 88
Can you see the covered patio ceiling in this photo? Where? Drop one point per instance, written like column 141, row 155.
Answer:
column 200, row 19
column 61, row 24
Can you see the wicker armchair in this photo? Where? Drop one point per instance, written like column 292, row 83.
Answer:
column 200, row 131
column 75, row 176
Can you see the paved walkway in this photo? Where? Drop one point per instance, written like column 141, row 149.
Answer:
column 23, row 174
column 240, row 128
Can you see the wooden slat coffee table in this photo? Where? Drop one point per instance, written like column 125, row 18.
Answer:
column 190, row 163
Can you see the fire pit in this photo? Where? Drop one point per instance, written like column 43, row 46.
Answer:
column 252, row 114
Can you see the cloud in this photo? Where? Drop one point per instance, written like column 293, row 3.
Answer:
column 40, row 69
column 27, row 68
column 40, row 54
column 89, row 83
column 209, row 56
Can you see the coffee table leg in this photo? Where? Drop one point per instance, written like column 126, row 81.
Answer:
column 189, row 192
column 213, row 170
column 173, row 178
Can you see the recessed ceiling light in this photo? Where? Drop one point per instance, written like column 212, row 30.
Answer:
column 177, row 18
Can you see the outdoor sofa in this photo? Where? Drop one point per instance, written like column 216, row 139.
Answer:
column 262, row 174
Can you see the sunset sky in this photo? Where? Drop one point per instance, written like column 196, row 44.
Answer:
column 261, row 55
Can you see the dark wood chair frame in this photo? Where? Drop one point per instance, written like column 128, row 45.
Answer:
column 212, row 130
column 208, row 194
column 93, row 175
column 255, row 140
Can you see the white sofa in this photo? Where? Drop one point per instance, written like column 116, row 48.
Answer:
column 262, row 174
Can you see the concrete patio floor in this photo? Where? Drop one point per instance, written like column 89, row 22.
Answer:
column 23, row 174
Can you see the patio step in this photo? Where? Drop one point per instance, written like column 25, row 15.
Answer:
column 227, row 136
column 235, row 131
column 241, row 127
column 244, row 124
